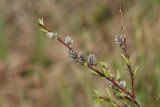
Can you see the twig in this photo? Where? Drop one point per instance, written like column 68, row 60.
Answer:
column 127, row 55
column 129, row 68
column 111, row 80
column 133, row 101
column 131, row 98
column 122, row 19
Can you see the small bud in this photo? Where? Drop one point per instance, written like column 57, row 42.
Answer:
column 120, row 40
column 81, row 58
column 91, row 60
column 72, row 54
column 122, row 83
column 40, row 21
column 68, row 41
column 52, row 35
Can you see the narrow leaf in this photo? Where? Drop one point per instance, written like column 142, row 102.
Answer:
column 126, row 60
column 104, row 69
column 124, row 57
column 44, row 30
column 96, row 93
column 136, row 69
column 99, row 101
column 93, row 72
column 40, row 21
column 104, row 65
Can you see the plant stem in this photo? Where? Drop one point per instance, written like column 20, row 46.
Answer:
column 131, row 95
column 111, row 80
column 129, row 68
column 133, row 101
column 131, row 98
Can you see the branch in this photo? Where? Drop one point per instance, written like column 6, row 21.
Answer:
column 133, row 101
column 93, row 67
column 127, row 55
column 129, row 68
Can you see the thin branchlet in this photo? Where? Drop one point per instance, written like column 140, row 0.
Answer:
column 125, row 51
column 121, row 40
column 91, row 63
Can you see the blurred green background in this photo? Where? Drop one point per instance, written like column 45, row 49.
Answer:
column 36, row 72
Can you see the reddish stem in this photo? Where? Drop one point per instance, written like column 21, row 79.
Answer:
column 111, row 80
column 44, row 27
column 61, row 41
column 132, row 96
column 98, row 72
column 129, row 68
column 133, row 101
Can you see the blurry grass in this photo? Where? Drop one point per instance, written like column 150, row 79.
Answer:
column 3, row 39
column 101, row 14
column 146, row 50
column 66, row 94
column 39, row 54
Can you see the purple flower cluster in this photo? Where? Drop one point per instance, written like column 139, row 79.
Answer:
column 52, row 35
column 91, row 59
column 120, row 40
column 68, row 41
column 79, row 57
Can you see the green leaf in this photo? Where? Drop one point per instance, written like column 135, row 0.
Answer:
column 103, row 64
column 124, row 57
column 99, row 101
column 126, row 60
column 104, row 69
column 118, row 94
column 96, row 93
column 40, row 21
column 44, row 30
column 93, row 72
column 136, row 69
column 105, row 72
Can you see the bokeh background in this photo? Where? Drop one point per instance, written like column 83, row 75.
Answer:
column 36, row 72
